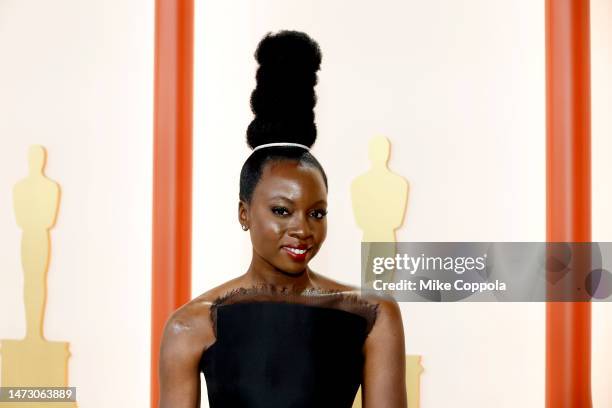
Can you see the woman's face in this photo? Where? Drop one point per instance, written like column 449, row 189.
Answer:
column 287, row 216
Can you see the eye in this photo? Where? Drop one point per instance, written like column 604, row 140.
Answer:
column 280, row 210
column 319, row 214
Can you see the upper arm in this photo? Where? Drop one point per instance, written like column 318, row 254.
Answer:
column 384, row 379
column 181, row 349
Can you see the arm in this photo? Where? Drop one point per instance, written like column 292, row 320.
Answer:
column 181, row 348
column 384, row 378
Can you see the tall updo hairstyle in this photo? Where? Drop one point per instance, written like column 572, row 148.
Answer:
column 282, row 102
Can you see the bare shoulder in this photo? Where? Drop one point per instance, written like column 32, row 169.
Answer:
column 388, row 326
column 189, row 329
column 387, row 303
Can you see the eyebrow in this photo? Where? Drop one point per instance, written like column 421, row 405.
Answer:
column 291, row 201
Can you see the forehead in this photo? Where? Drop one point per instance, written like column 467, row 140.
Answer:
column 291, row 179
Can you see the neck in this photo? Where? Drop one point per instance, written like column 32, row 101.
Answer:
column 262, row 272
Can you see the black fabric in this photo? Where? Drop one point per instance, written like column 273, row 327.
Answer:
column 284, row 355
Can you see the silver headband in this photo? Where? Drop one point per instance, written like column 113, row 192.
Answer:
column 281, row 144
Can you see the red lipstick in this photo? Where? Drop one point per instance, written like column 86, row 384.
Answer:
column 296, row 253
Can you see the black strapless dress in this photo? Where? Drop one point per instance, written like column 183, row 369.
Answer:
column 275, row 350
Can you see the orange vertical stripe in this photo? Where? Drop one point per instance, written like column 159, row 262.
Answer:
column 568, row 193
column 172, row 169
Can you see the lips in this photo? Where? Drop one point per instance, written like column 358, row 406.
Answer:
column 298, row 252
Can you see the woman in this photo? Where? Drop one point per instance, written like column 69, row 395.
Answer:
column 282, row 335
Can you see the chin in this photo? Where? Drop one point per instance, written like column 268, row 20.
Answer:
column 294, row 270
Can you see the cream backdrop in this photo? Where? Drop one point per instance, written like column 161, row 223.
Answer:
column 458, row 87
column 77, row 77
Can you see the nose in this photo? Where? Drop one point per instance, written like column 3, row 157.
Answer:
column 299, row 227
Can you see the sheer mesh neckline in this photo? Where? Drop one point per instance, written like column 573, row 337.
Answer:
column 349, row 301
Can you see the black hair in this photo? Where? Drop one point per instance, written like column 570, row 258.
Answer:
column 283, row 102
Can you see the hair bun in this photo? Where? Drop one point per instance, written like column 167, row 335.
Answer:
column 284, row 98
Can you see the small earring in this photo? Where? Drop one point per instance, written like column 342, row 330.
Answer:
column 244, row 227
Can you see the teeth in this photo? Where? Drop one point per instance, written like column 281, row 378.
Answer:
column 296, row 251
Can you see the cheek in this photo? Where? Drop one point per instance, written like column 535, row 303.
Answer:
column 322, row 231
column 269, row 226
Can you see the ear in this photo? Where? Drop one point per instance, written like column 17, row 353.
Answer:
column 243, row 213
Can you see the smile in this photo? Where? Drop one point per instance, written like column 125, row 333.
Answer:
column 296, row 251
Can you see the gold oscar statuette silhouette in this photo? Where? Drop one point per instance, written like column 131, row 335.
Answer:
column 35, row 361
column 379, row 199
